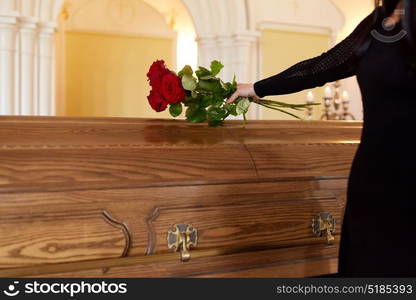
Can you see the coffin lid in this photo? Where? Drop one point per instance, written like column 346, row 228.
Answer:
column 79, row 153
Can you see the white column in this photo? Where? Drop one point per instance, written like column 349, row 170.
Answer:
column 207, row 50
column 46, row 67
column 245, row 58
column 226, row 54
column 28, row 67
column 7, row 62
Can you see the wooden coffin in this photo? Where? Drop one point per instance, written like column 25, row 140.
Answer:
column 101, row 197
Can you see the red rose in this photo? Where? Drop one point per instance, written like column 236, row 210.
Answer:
column 172, row 89
column 156, row 72
column 156, row 101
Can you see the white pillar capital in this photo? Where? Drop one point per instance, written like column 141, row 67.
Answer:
column 224, row 39
column 8, row 16
column 27, row 22
column 206, row 41
column 248, row 36
column 47, row 27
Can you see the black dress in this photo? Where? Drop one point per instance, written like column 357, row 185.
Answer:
column 379, row 225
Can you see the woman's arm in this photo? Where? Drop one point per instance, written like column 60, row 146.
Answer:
column 337, row 63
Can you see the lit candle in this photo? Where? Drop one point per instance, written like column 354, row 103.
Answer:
column 328, row 92
column 310, row 98
column 345, row 96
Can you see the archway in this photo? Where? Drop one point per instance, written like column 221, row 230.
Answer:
column 104, row 49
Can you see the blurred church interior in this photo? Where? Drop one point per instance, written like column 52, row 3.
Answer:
column 90, row 57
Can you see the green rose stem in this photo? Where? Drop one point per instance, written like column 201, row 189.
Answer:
column 276, row 105
column 281, row 110
column 283, row 104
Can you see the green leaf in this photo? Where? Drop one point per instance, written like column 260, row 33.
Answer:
column 206, row 101
column 208, row 77
column 193, row 107
column 218, row 100
column 187, row 70
column 229, row 90
column 234, row 82
column 202, row 72
column 211, row 85
column 223, row 84
column 216, row 113
column 215, row 123
column 197, row 116
column 242, row 106
column 175, row 109
column 188, row 82
column 231, row 108
column 216, row 67
column 188, row 99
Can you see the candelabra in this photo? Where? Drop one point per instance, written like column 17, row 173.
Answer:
column 336, row 106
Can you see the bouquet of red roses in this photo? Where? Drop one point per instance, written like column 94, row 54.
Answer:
column 203, row 94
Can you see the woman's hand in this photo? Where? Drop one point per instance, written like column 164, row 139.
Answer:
column 243, row 90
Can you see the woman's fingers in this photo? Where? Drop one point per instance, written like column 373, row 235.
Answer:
column 243, row 90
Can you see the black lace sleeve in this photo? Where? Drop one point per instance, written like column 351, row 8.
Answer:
column 339, row 62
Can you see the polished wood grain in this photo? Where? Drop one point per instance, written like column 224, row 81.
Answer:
column 220, row 262
column 32, row 149
column 57, row 236
column 247, row 188
column 252, row 215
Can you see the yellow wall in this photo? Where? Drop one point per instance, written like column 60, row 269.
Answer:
column 106, row 74
column 282, row 49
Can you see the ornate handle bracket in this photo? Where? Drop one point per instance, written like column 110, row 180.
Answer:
column 324, row 225
column 123, row 227
column 182, row 238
